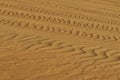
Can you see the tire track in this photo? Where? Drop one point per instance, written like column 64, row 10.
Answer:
column 70, row 15
column 61, row 30
column 60, row 20
column 77, row 16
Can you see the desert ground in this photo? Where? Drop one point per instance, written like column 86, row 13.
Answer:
column 59, row 39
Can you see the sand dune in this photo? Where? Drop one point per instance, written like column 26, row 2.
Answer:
column 59, row 40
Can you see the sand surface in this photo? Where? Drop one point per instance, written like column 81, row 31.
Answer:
column 59, row 39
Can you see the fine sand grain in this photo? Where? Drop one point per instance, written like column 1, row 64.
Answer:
column 59, row 39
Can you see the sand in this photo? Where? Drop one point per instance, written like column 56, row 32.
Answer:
column 59, row 40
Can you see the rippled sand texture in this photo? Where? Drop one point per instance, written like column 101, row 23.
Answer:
column 59, row 40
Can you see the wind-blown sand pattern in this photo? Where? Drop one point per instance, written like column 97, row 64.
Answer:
column 59, row 40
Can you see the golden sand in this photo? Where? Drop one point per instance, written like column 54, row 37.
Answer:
column 59, row 40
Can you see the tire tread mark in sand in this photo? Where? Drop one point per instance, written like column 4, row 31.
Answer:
column 80, row 16
column 88, row 9
column 62, row 30
column 60, row 20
